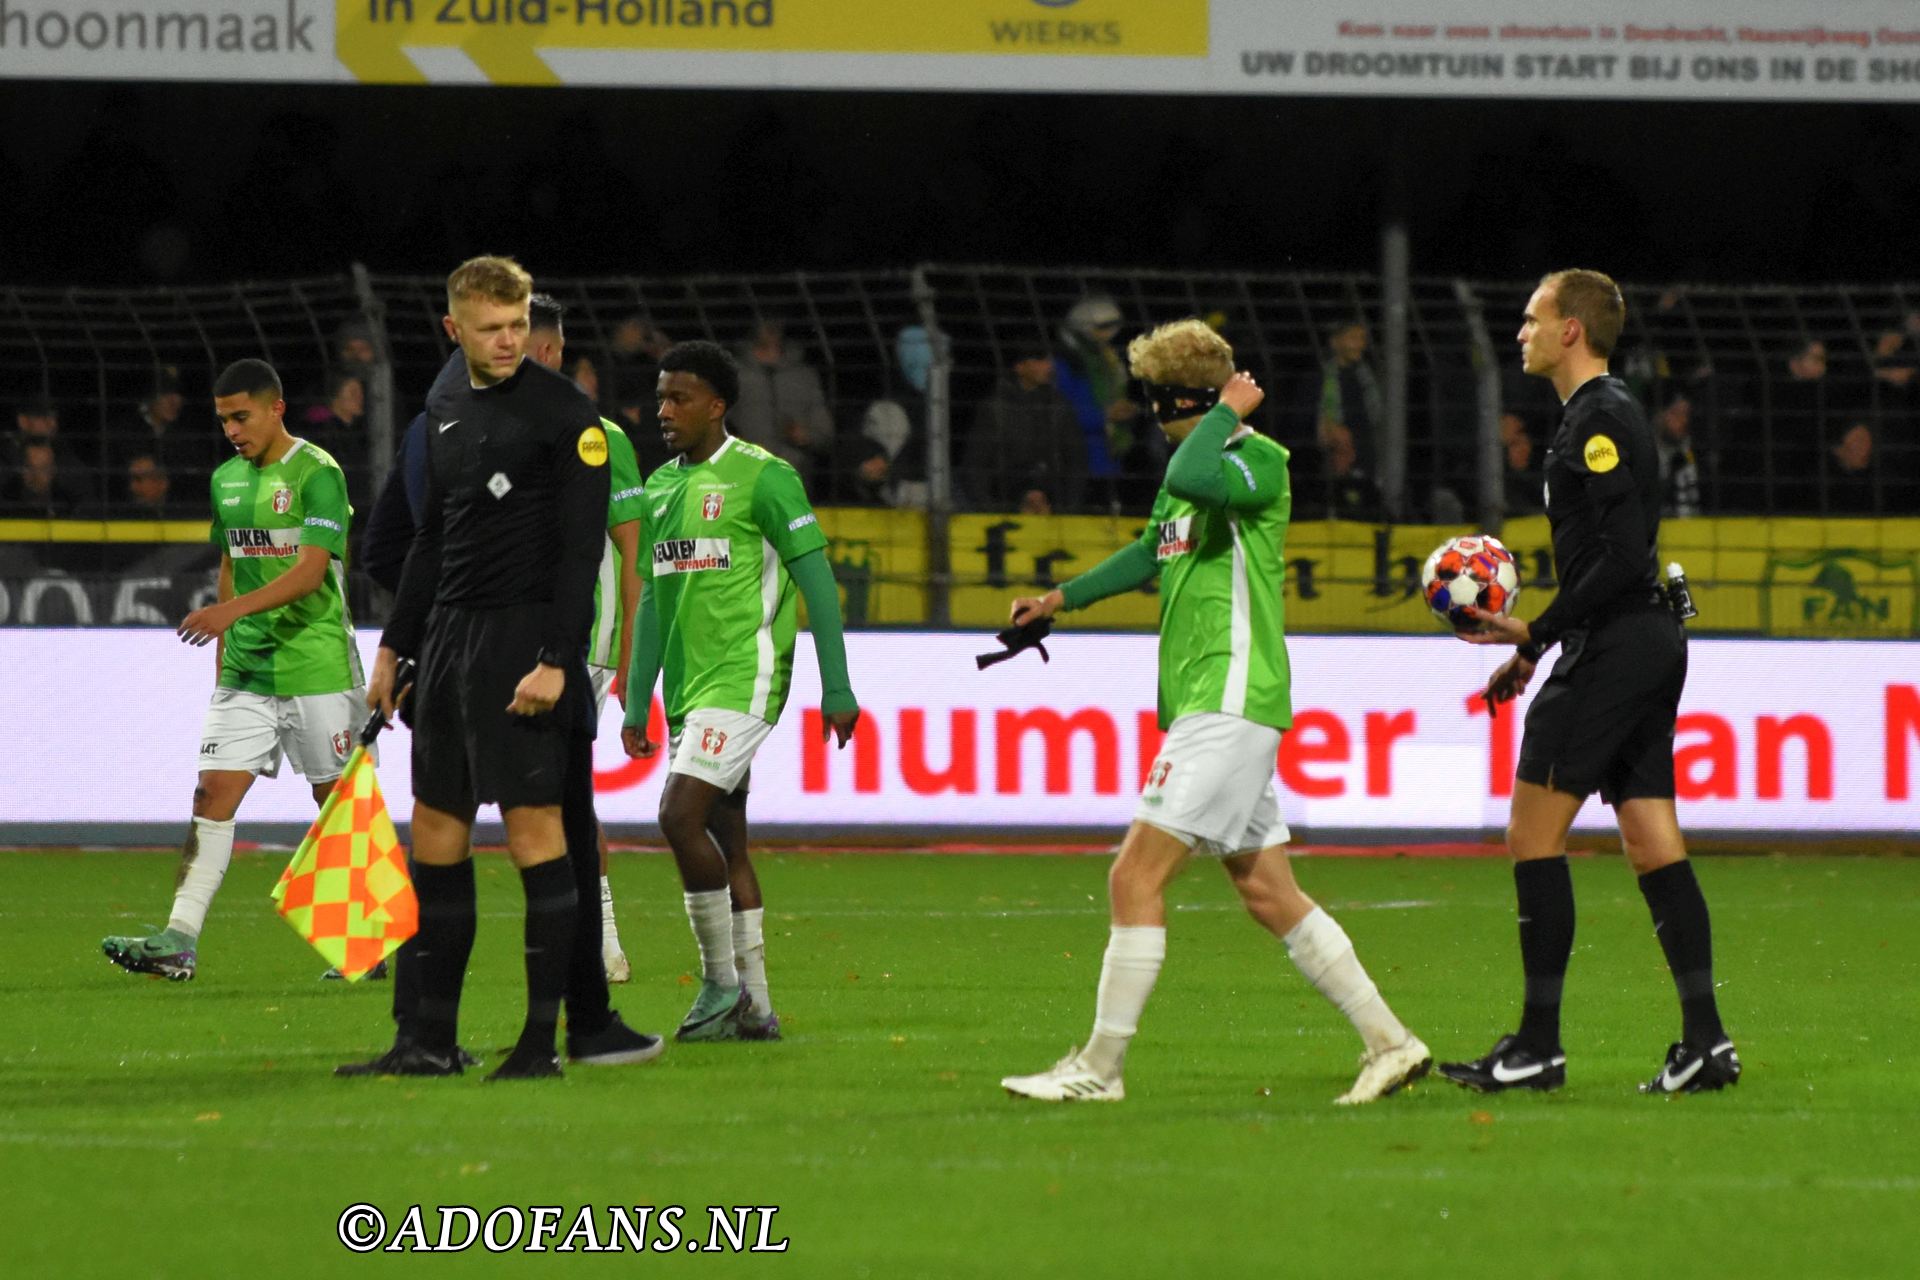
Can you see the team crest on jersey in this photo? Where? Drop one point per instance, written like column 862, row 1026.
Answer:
column 713, row 741
column 711, row 504
column 342, row 743
column 282, row 501
column 1176, row 538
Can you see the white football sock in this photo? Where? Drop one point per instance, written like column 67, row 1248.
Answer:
column 711, row 914
column 750, row 955
column 609, row 930
column 1127, row 975
column 213, row 851
column 1321, row 950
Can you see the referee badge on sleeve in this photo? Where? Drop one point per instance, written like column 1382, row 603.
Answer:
column 592, row 447
column 1601, row 455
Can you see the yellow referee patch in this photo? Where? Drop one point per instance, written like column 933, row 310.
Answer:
column 592, row 447
column 1601, row 455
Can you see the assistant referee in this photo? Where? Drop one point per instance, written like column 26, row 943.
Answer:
column 1605, row 719
column 495, row 602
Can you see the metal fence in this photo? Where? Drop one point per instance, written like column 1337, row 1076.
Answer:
column 1775, row 400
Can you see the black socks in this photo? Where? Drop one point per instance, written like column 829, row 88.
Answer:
column 1544, row 888
column 1681, row 923
column 439, row 954
column 552, row 904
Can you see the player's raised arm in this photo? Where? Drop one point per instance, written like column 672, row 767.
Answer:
column 1205, row 472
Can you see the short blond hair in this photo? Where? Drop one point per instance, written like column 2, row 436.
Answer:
column 1592, row 298
column 1185, row 353
column 494, row 279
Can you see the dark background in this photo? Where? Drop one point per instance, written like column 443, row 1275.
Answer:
column 169, row 183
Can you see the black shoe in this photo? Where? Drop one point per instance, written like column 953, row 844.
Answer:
column 464, row 1058
column 528, row 1062
column 1691, row 1070
column 376, row 974
column 408, row 1059
column 1509, row 1066
column 615, row 1044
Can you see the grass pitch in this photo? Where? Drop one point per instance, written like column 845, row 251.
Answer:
column 193, row 1130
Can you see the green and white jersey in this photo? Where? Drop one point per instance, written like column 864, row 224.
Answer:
column 628, row 502
column 719, row 535
column 1223, row 643
column 262, row 516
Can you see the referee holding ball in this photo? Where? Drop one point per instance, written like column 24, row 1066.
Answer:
column 495, row 602
column 1605, row 719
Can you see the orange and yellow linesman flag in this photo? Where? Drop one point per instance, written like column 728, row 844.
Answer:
column 347, row 891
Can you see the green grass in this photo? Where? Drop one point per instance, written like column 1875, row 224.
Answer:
column 193, row 1130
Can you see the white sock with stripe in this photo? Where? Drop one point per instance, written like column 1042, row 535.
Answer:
column 1127, row 974
column 711, row 914
column 609, row 929
column 750, row 956
column 206, row 868
column 1323, row 953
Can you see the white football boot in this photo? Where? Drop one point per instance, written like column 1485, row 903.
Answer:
column 1068, row 1080
column 1389, row 1070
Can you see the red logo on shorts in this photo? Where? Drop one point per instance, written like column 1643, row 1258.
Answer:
column 711, row 504
column 1157, row 776
column 282, row 501
column 713, row 741
column 342, row 744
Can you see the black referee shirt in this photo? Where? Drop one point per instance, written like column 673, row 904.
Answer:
column 516, row 509
column 1603, row 504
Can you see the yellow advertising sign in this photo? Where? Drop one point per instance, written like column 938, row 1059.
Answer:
column 879, row 559
column 506, row 38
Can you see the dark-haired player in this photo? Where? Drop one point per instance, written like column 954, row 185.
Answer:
column 730, row 536
column 289, row 677
column 1605, row 719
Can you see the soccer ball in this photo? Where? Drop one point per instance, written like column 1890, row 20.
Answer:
column 1476, row 571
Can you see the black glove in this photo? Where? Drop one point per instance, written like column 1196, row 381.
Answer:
column 403, row 676
column 1028, row 635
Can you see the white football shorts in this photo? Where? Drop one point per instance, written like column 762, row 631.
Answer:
column 1212, row 785
column 717, row 746
column 602, row 678
column 247, row 732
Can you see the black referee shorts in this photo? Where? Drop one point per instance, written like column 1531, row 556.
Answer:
column 1604, row 720
column 468, row 750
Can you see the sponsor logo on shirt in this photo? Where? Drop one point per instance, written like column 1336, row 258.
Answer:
column 691, row 555
column 209, row 748
column 1176, row 538
column 659, row 511
column 800, row 522
column 710, row 506
column 234, row 501
column 1601, row 455
column 233, row 484
column 625, row 494
column 1245, row 470
column 282, row 501
column 324, row 523
column 252, row 544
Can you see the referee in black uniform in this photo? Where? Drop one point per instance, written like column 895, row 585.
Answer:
column 1605, row 719
column 495, row 602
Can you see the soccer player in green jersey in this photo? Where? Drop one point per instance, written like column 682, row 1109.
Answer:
column 1216, row 541
column 289, row 676
column 730, row 536
column 616, row 593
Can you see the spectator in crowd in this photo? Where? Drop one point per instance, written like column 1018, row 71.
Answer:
column 187, row 454
column 1342, row 490
column 1349, row 394
column 1026, row 451
column 1525, row 481
column 1851, row 486
column 1797, row 411
column 585, row 375
column 885, row 464
column 626, row 381
column 1679, row 463
column 339, row 425
column 148, row 492
column 1093, row 378
column 783, row 406
column 37, row 490
column 37, row 421
column 353, row 349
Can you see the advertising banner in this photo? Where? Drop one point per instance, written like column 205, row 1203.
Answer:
column 1775, row 736
column 1863, row 50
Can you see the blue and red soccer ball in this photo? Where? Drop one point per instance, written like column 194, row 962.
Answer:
column 1474, row 571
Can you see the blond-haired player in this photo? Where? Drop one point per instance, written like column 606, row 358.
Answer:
column 1215, row 540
